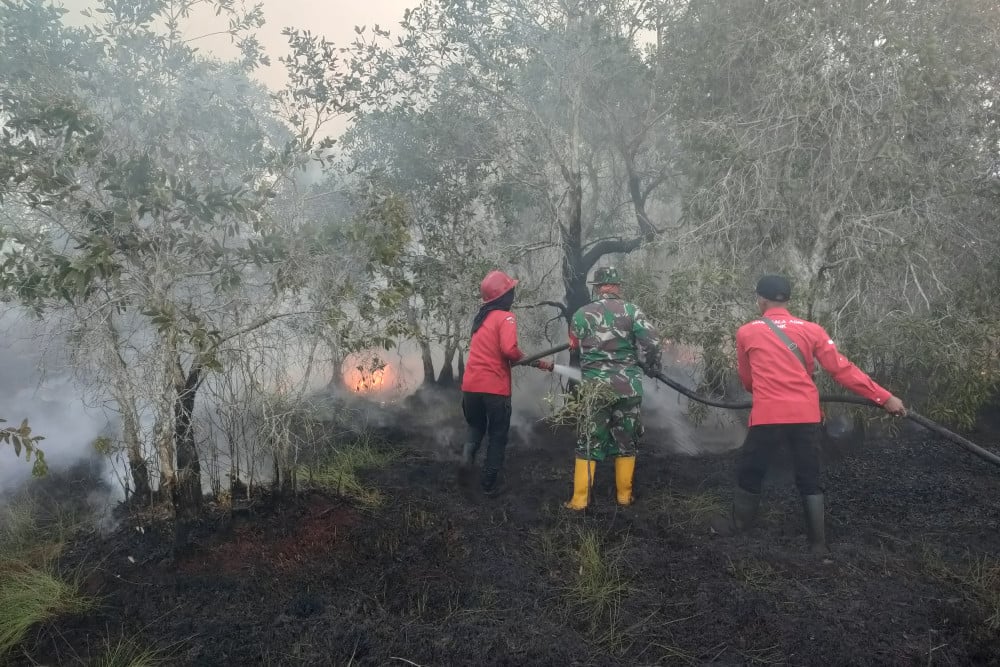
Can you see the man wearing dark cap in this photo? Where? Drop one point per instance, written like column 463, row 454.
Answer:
column 776, row 358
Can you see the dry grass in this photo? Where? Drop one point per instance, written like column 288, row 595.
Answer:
column 755, row 574
column 25, row 538
column 688, row 509
column 978, row 579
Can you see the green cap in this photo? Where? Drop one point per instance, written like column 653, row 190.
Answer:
column 606, row 275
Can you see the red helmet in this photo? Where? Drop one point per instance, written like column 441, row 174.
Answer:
column 495, row 285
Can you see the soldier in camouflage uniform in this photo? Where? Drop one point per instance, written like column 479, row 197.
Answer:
column 609, row 333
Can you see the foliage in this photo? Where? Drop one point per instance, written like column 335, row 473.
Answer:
column 817, row 142
column 577, row 408
column 539, row 120
column 152, row 211
column 21, row 439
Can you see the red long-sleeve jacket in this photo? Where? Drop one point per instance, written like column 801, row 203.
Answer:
column 783, row 390
column 491, row 352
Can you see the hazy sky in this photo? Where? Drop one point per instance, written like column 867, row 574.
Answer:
column 334, row 19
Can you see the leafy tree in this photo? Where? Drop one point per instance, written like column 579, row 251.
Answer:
column 140, row 181
column 448, row 248
column 853, row 146
column 550, row 109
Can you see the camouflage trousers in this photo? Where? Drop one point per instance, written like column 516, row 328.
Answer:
column 612, row 431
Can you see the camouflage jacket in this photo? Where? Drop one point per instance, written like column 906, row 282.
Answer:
column 610, row 332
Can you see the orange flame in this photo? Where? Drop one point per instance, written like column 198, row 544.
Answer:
column 369, row 376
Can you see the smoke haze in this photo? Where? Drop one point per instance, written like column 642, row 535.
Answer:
column 36, row 385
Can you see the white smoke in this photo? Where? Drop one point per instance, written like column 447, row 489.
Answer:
column 436, row 417
column 37, row 385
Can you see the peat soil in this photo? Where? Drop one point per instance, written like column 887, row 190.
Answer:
column 441, row 575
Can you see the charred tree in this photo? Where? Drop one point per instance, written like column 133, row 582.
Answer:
column 187, row 488
column 142, row 492
column 446, row 378
column 427, row 360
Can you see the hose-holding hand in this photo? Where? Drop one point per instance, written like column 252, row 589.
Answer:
column 652, row 367
column 543, row 365
column 895, row 406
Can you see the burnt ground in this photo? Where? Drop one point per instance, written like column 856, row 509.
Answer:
column 443, row 576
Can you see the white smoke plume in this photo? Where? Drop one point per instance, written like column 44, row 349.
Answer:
column 437, row 416
column 36, row 385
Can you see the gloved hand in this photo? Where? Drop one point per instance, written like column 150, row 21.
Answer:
column 652, row 369
column 543, row 365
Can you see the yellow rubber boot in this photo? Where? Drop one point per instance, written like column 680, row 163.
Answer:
column 624, row 471
column 583, row 477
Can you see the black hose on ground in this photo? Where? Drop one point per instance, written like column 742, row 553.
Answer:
column 932, row 426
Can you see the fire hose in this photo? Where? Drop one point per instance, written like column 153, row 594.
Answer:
column 928, row 424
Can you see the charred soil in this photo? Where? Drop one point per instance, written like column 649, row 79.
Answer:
column 440, row 575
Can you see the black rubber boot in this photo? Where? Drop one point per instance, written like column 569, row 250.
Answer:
column 466, row 469
column 469, row 454
column 815, row 514
column 491, row 482
column 742, row 514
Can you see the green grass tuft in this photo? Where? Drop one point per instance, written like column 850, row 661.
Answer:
column 339, row 471
column 31, row 595
column 128, row 652
column 599, row 586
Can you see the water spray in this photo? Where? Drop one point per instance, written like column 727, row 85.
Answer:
column 568, row 372
column 574, row 374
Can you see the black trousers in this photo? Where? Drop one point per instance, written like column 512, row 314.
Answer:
column 762, row 445
column 488, row 414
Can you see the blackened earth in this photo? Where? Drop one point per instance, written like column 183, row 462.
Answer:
column 441, row 575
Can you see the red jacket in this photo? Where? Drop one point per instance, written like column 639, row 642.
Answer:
column 783, row 390
column 492, row 350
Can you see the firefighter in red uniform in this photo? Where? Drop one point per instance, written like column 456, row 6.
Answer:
column 776, row 357
column 486, row 382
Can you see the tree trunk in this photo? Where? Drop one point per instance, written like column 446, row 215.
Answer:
column 287, row 485
column 163, row 433
column 461, row 366
column 425, row 346
column 446, row 377
column 142, row 490
column 125, row 397
column 337, row 375
column 163, row 430
column 574, row 268
column 187, row 493
column 428, row 361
